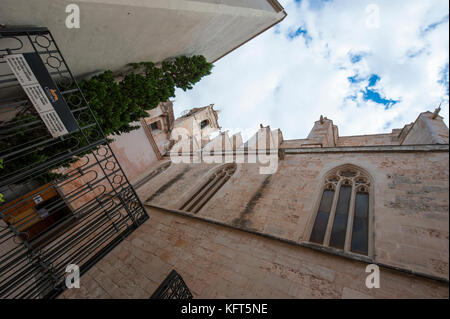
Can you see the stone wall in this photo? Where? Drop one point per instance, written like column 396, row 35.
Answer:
column 167, row 188
column 368, row 140
column 410, row 192
column 220, row 262
column 429, row 128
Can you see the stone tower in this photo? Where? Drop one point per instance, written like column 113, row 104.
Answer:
column 198, row 124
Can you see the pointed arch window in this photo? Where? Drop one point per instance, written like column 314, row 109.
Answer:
column 206, row 190
column 342, row 220
column 158, row 170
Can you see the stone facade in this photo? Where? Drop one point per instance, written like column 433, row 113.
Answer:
column 251, row 238
column 221, row 262
column 140, row 150
column 198, row 124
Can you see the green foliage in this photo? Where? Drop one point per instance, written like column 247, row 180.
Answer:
column 37, row 155
column 186, row 71
column 117, row 104
column 113, row 109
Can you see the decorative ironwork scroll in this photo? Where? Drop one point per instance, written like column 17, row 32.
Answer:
column 66, row 200
column 173, row 287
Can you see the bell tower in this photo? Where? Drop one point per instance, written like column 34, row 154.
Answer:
column 198, row 124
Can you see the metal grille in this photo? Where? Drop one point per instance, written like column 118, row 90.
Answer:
column 66, row 199
column 173, row 287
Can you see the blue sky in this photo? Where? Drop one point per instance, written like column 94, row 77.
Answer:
column 370, row 66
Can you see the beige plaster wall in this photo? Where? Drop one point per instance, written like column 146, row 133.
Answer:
column 114, row 33
column 134, row 153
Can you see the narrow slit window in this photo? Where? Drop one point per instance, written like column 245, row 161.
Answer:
column 360, row 232
column 155, row 126
column 204, row 124
column 339, row 230
column 206, row 191
column 152, row 175
column 321, row 222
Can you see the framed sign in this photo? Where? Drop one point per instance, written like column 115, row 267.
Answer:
column 43, row 93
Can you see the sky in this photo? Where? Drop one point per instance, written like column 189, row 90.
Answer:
column 370, row 66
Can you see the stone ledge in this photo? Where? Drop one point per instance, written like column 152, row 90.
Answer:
column 281, row 151
column 368, row 149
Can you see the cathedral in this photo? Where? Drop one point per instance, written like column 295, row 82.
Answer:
column 180, row 200
column 326, row 216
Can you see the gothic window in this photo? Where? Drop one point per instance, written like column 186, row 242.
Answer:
column 203, row 193
column 342, row 219
column 158, row 170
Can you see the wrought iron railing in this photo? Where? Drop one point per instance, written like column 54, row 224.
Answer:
column 173, row 287
column 66, row 198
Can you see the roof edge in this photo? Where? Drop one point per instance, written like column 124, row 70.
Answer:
column 257, row 34
column 276, row 5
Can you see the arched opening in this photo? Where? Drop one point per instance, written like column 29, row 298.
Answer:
column 343, row 219
column 204, row 124
column 203, row 193
column 158, row 170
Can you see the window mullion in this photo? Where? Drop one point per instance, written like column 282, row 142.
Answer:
column 326, row 241
column 195, row 199
column 212, row 189
column 371, row 224
column 351, row 214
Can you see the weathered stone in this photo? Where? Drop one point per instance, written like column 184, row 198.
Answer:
column 220, row 251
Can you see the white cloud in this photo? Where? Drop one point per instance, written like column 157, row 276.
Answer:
column 289, row 83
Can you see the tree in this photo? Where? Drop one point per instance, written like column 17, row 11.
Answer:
column 186, row 71
column 117, row 104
